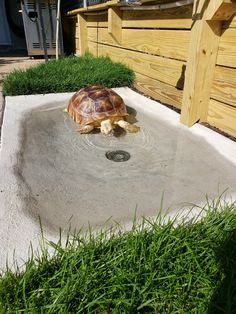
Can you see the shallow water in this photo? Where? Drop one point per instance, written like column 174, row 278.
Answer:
column 68, row 179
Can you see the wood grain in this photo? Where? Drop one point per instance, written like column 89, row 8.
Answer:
column 97, row 20
column 224, row 85
column 162, row 69
column 227, row 48
column 167, row 43
column 200, row 71
column 222, row 116
column 96, row 7
column 226, row 10
column 165, row 93
column 93, row 48
column 173, row 18
column 230, row 23
column 115, row 24
column 83, row 36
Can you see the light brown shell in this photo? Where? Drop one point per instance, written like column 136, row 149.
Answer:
column 95, row 103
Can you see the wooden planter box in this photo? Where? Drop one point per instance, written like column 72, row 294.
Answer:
column 183, row 56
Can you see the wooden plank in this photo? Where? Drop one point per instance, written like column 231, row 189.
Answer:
column 230, row 23
column 213, row 10
column 93, row 48
column 173, row 18
column 165, row 93
column 83, row 36
column 225, row 11
column 222, row 116
column 168, row 71
column 169, row 19
column 97, row 20
column 77, row 45
column 115, row 24
column 224, row 85
column 199, row 7
column 166, row 43
column 227, row 48
column 149, row 2
column 200, row 70
column 77, row 31
column 97, row 7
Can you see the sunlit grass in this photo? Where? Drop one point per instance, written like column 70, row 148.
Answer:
column 67, row 75
column 159, row 266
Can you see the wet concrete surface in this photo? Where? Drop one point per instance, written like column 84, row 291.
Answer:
column 52, row 172
column 68, row 177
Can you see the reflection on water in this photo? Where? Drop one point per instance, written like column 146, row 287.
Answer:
column 96, row 140
column 143, row 144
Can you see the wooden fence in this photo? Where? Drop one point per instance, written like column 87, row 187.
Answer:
column 222, row 104
column 183, row 56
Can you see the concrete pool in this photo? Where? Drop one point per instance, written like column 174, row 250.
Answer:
column 48, row 170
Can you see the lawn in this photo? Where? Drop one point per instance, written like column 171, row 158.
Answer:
column 159, row 266
column 67, row 75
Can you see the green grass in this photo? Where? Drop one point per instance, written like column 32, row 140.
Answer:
column 156, row 267
column 67, row 75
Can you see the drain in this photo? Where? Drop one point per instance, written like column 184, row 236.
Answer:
column 118, row 155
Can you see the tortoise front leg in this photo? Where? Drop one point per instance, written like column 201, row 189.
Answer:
column 131, row 128
column 85, row 129
column 106, row 126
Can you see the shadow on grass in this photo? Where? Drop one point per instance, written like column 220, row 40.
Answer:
column 224, row 298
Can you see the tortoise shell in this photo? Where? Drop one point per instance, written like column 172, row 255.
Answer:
column 95, row 103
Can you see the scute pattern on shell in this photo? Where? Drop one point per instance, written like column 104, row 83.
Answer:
column 95, row 103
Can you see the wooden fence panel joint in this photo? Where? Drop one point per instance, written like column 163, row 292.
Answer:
column 115, row 24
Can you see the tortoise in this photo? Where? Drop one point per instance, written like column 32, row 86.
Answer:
column 97, row 106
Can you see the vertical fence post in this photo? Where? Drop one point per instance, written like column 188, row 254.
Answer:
column 83, row 34
column 203, row 48
column 204, row 41
column 115, row 24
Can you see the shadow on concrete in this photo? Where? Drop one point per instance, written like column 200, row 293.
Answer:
column 12, row 58
column 224, row 298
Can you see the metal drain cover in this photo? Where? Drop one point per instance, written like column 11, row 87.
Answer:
column 118, row 155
